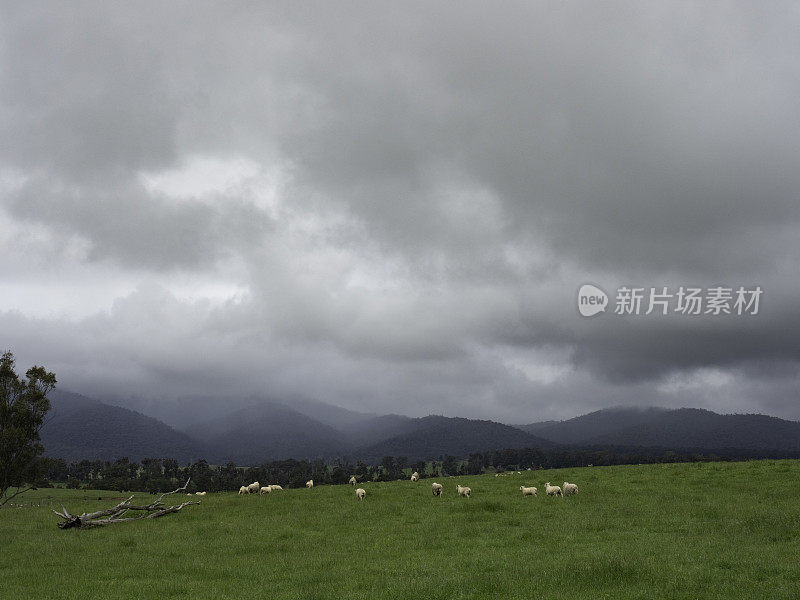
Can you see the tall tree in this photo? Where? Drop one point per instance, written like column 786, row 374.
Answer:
column 23, row 406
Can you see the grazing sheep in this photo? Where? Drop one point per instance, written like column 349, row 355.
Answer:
column 570, row 488
column 552, row 490
column 265, row 490
column 360, row 493
column 199, row 493
column 310, row 483
column 528, row 491
column 436, row 488
column 463, row 491
column 243, row 490
column 415, row 476
column 254, row 487
column 352, row 480
column 276, row 487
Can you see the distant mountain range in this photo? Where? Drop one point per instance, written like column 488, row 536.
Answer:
column 683, row 428
column 254, row 431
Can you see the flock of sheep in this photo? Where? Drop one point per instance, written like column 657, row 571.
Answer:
column 568, row 489
column 551, row 490
column 256, row 488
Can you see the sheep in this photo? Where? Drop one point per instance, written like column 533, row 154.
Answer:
column 352, row 480
column 528, row 491
column 436, row 488
column 199, row 493
column 243, row 490
column 360, row 493
column 552, row 490
column 310, row 483
column 463, row 491
column 276, row 487
column 254, row 487
column 570, row 488
column 415, row 476
column 265, row 490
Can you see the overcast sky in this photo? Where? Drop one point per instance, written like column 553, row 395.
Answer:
column 391, row 206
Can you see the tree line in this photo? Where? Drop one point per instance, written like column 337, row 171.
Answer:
column 156, row 475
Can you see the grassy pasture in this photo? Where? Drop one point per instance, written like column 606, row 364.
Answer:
column 705, row 530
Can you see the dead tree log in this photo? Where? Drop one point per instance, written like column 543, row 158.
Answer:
column 116, row 513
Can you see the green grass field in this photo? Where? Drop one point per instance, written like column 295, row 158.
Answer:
column 708, row 530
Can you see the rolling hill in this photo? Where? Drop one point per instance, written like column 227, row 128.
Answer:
column 601, row 422
column 697, row 428
column 434, row 436
column 685, row 428
column 79, row 428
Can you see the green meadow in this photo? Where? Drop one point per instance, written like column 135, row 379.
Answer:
column 700, row 530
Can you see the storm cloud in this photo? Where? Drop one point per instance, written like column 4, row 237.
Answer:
column 391, row 208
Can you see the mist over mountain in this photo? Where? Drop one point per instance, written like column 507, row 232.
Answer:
column 187, row 411
column 375, row 429
column 78, row 428
column 267, row 432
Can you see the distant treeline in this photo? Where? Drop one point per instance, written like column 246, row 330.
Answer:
column 160, row 475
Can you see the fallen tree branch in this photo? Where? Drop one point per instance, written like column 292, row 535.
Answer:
column 115, row 513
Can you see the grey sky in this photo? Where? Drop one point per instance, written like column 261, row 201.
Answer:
column 391, row 207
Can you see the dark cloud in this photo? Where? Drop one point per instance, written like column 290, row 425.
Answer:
column 394, row 206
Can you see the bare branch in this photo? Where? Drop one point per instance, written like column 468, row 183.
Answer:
column 115, row 514
column 180, row 489
column 17, row 493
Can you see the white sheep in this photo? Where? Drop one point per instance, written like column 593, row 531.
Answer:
column 352, row 480
column 276, row 487
column 265, row 490
column 528, row 491
column 254, row 487
column 199, row 493
column 552, row 490
column 415, row 476
column 436, row 488
column 243, row 490
column 360, row 493
column 463, row 491
column 310, row 483
column 570, row 488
